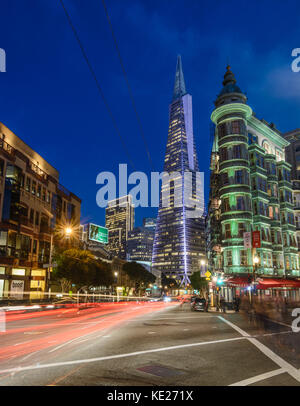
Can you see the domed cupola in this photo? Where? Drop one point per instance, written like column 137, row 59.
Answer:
column 230, row 93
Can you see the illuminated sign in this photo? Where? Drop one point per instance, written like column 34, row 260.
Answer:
column 98, row 233
column 256, row 239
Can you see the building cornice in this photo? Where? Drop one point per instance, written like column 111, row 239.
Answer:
column 231, row 108
column 267, row 132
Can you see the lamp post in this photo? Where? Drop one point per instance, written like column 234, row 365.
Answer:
column 50, row 264
column 116, row 282
column 256, row 261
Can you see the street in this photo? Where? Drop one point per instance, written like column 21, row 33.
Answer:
column 155, row 343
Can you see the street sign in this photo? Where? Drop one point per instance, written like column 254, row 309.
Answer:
column 247, row 240
column 256, row 239
column 54, row 264
column 207, row 274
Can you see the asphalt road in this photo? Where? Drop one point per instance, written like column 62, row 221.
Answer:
column 148, row 344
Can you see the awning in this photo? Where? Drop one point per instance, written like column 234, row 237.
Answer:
column 264, row 283
column 237, row 281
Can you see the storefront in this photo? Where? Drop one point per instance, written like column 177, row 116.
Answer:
column 271, row 287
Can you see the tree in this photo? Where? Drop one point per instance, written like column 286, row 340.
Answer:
column 171, row 283
column 199, row 283
column 79, row 267
column 138, row 275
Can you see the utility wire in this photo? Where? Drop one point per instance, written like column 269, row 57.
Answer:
column 97, row 82
column 128, row 84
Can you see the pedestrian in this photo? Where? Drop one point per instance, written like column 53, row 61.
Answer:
column 237, row 302
column 222, row 304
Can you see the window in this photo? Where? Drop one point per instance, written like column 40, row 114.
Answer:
column 279, row 240
column 48, row 197
column 266, row 147
column 241, row 230
column 227, row 231
column 240, row 203
column 239, row 176
column 255, row 208
column 226, row 204
column 237, row 151
column 243, row 257
column 37, row 218
column 236, row 127
column 39, row 191
column 229, row 258
column 224, row 177
column 31, row 216
column 223, row 154
column 34, row 247
column 271, row 212
column 273, row 237
column 252, row 139
column 27, row 187
column 33, row 188
column 222, row 130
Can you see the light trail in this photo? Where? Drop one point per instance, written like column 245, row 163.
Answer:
column 39, row 343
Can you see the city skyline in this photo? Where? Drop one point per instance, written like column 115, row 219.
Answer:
column 257, row 60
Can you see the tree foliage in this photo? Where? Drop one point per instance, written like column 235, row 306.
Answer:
column 198, row 282
column 171, row 283
column 138, row 275
column 79, row 267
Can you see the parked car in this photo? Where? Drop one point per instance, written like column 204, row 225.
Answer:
column 199, row 304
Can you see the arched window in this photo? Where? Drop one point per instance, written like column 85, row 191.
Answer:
column 266, row 147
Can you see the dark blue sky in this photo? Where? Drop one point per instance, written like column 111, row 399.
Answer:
column 48, row 98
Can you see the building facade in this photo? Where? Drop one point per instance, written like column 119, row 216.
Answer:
column 32, row 206
column 140, row 244
column 119, row 219
column 150, row 223
column 292, row 153
column 250, row 190
column 179, row 237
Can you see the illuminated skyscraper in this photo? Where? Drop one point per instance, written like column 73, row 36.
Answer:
column 179, row 235
column 119, row 219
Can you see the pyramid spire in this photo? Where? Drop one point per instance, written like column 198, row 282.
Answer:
column 179, row 87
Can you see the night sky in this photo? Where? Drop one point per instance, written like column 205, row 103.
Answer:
column 49, row 99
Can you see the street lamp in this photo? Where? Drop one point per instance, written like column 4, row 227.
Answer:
column 68, row 231
column 256, row 261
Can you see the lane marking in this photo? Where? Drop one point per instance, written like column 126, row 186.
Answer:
column 260, row 377
column 65, row 376
column 109, row 357
column 265, row 350
column 278, row 322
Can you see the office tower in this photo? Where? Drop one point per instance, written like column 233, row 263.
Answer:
column 179, row 236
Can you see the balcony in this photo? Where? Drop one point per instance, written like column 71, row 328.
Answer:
column 44, row 228
column 36, row 170
column 11, row 252
column 5, row 147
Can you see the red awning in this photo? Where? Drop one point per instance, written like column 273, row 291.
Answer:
column 237, row 281
column 264, row 283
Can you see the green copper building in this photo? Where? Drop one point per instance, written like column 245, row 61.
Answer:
column 250, row 190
